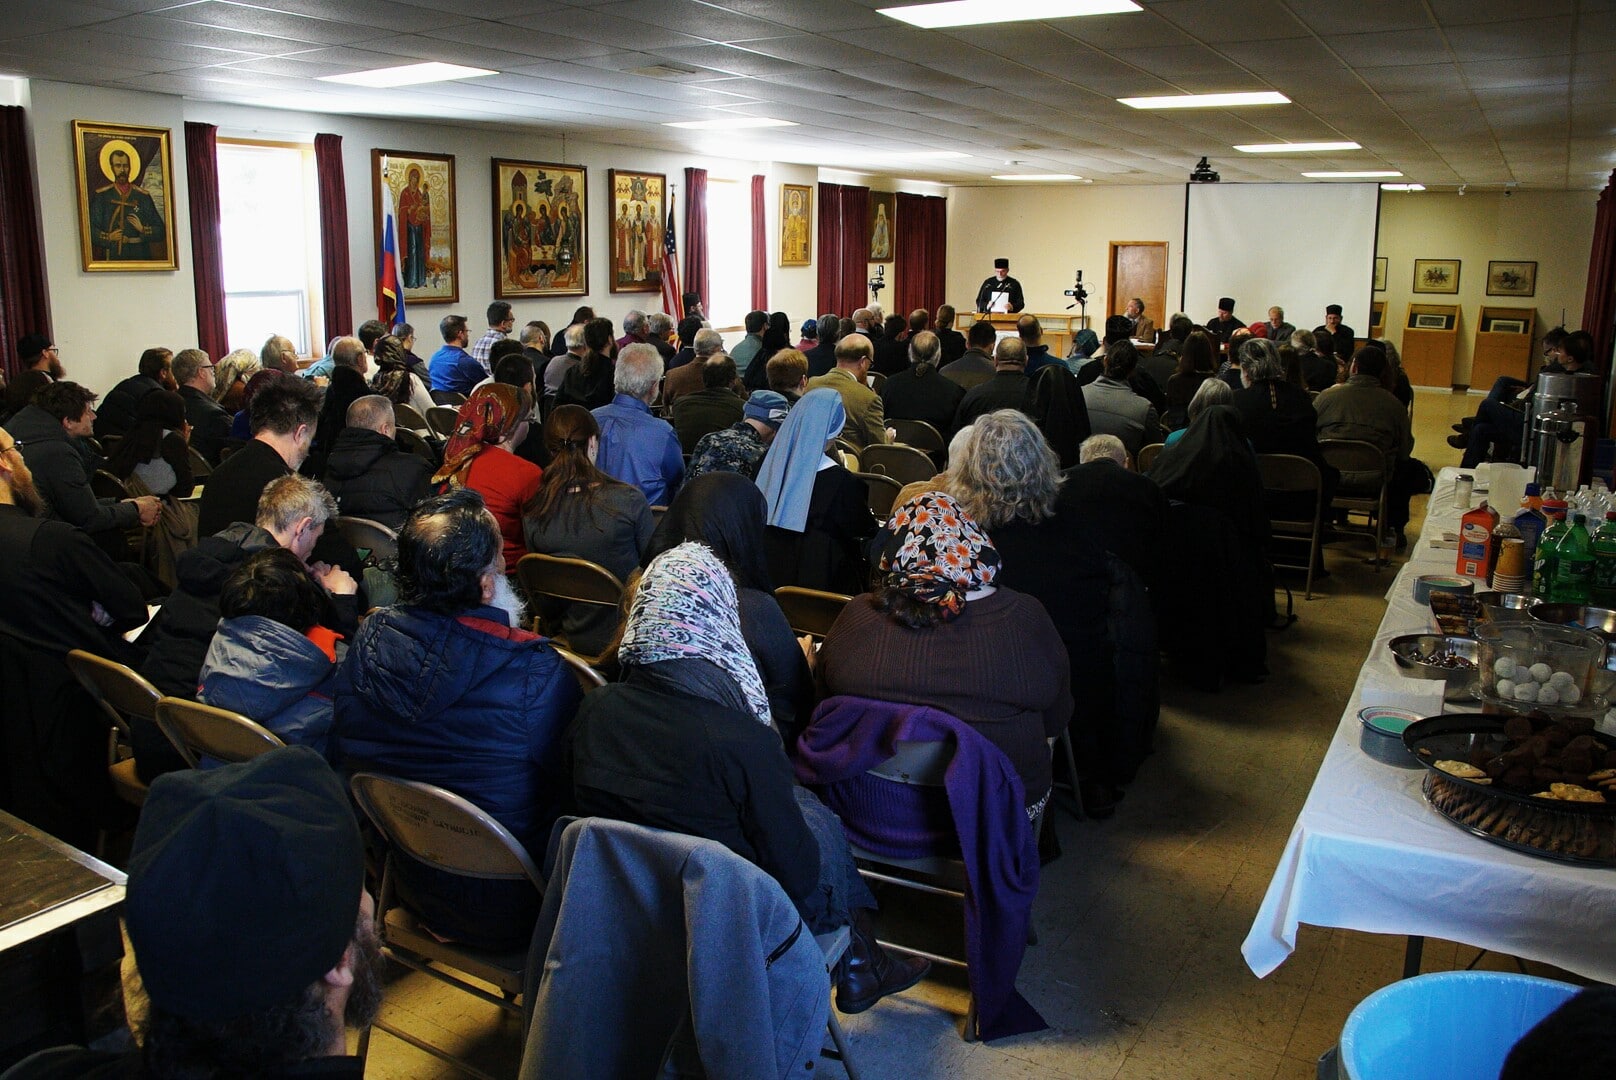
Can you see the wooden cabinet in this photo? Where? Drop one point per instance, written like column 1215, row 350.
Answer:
column 1430, row 342
column 1503, row 345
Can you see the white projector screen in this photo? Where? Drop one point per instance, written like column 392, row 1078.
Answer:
column 1300, row 246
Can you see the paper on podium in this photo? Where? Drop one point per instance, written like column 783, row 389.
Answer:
column 1001, row 303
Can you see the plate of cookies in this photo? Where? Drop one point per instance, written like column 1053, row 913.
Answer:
column 1539, row 783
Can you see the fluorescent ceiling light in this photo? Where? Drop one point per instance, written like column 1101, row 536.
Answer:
column 979, row 12
column 1365, row 174
column 1402, row 187
column 409, row 75
column 732, row 123
column 1036, row 176
column 1207, row 101
column 1296, row 147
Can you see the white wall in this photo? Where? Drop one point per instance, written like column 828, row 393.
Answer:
column 1553, row 228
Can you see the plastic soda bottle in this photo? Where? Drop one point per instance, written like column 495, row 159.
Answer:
column 1605, row 561
column 1574, row 575
column 1546, row 561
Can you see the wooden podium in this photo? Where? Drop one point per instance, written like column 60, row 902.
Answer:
column 1058, row 329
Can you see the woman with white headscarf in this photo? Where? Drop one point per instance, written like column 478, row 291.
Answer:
column 819, row 513
column 684, row 742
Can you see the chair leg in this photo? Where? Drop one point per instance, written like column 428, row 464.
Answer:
column 839, row 1037
column 1064, row 741
column 970, row 1035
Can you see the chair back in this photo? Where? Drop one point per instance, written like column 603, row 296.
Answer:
column 448, row 397
column 367, row 535
column 810, row 611
column 201, row 731
column 883, row 493
column 920, row 435
column 1148, row 455
column 1290, row 474
column 416, row 443
column 120, row 690
column 199, row 465
column 441, row 419
column 589, row 678
column 106, row 486
column 921, row 764
column 1354, row 455
column 439, row 828
column 576, row 580
column 904, row 464
column 405, row 416
column 875, row 380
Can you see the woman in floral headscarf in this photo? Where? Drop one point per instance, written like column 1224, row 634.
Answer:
column 939, row 632
column 491, row 422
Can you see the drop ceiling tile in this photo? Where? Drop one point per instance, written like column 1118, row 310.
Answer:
column 601, row 28
column 1132, row 30
column 730, row 59
column 1396, row 49
column 159, row 27
column 813, row 50
column 1169, row 63
column 24, row 18
column 399, row 18
column 1527, row 72
column 448, row 47
column 32, row 65
column 914, row 77
column 279, row 24
column 1413, row 77
column 99, row 41
column 942, row 50
column 488, row 9
column 822, row 16
column 1513, row 40
column 1304, row 55
column 694, row 19
column 1230, row 20
column 1429, row 100
column 1462, row 12
column 1328, row 18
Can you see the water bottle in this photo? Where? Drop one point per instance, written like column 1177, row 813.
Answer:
column 1546, row 562
column 1605, row 561
column 1574, row 574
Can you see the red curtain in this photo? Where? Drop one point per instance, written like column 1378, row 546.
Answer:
column 207, row 249
column 1599, row 304
column 829, row 256
column 920, row 253
column 760, row 249
column 24, row 307
column 855, row 229
column 697, row 278
column 336, row 284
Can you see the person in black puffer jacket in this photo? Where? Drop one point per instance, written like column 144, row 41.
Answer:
column 367, row 472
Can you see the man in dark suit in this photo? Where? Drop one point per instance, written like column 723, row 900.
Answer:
column 1346, row 340
column 1225, row 324
column 1000, row 283
column 1114, row 508
column 822, row 357
column 283, row 418
column 975, row 365
column 1008, row 389
column 210, row 421
column 953, row 341
column 920, row 392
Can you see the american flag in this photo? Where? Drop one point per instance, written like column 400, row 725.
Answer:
column 389, row 286
column 672, row 297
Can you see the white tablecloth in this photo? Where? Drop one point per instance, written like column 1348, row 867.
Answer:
column 1368, row 853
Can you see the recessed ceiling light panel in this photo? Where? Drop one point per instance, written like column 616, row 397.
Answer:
column 1402, row 187
column 1296, row 147
column 980, row 12
column 409, row 75
column 1207, row 101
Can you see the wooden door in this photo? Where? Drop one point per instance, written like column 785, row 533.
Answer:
column 1138, row 268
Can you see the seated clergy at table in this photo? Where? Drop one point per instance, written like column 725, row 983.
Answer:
column 50, row 433
column 974, row 366
column 1333, row 328
column 1363, row 409
column 1277, row 329
column 819, row 513
column 210, row 421
column 712, row 408
column 920, row 391
column 934, row 633
column 1008, row 389
column 448, row 689
column 684, row 743
column 740, row 447
column 865, row 424
column 635, row 446
column 1113, row 407
column 271, row 660
column 247, row 904
column 479, row 456
column 367, row 472
column 117, row 412
column 292, row 513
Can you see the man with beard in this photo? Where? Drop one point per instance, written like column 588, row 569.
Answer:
column 255, row 936
column 40, row 364
column 447, row 688
column 124, row 223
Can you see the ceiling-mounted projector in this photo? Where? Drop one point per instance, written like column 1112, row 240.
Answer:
column 1204, row 173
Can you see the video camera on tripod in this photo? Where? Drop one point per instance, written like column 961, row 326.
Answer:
column 1079, row 294
column 877, row 283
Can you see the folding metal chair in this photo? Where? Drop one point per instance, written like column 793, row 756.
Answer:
column 904, row 464
column 1288, row 474
column 883, row 493
column 123, row 695
column 920, row 435
column 575, row 581
column 201, row 731
column 589, row 678
column 1357, row 456
column 1147, row 456
column 368, row 536
column 810, row 611
column 442, row 420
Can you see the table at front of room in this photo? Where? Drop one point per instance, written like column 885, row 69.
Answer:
column 1368, row 853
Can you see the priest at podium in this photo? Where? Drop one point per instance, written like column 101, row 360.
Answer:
column 1001, row 292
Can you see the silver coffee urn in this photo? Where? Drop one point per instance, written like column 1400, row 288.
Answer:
column 1564, row 426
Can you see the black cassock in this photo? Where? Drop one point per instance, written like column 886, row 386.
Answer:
column 984, row 295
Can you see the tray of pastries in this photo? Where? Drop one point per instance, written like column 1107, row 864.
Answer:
column 1535, row 783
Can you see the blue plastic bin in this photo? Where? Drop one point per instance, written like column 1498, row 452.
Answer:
column 1449, row 1025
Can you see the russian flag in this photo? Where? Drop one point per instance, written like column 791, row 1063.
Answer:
column 389, row 282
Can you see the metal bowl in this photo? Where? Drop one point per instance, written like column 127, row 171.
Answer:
column 1461, row 681
column 1507, row 604
column 1600, row 620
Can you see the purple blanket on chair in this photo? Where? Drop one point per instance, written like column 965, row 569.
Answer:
column 983, row 822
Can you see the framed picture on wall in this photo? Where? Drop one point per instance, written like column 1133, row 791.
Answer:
column 423, row 190
column 1430, row 321
column 1511, row 278
column 1380, row 274
column 796, row 224
column 1436, row 275
column 639, row 216
column 883, row 212
column 540, row 214
column 126, row 197
column 1506, row 326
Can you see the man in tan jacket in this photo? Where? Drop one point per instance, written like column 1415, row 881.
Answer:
column 866, row 423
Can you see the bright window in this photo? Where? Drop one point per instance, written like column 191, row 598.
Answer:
column 270, row 220
column 729, row 251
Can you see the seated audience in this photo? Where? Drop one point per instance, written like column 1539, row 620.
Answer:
column 865, row 424
column 1114, row 508
column 1497, row 426
column 1212, row 391
column 366, row 471
column 1398, row 383
column 1031, row 333
column 822, row 357
column 953, row 342
column 1061, row 412
column 919, row 391
column 788, row 374
column 1195, row 364
column 580, row 511
column 210, row 421
column 1117, row 331
column 292, row 513
column 39, row 363
column 395, row 379
column 659, row 334
column 635, row 446
column 809, row 336
column 1114, row 408
column 279, row 353
column 559, row 345
column 50, row 434
column 974, row 365
column 448, row 689
column 454, row 370
column 246, row 902
column 590, row 382
column 349, row 365
column 750, row 347
column 283, row 417
column 1279, row 418
column 478, row 456
column 687, row 378
column 230, row 378
column 117, row 412
column 684, row 743
column 934, row 634
column 740, row 447
column 156, row 447
column 536, row 345
column 241, row 419
column 1009, row 388
column 819, row 513
column 1318, row 370
column 271, row 660
column 726, row 512
column 892, row 348
column 688, row 329
column 714, row 407
column 776, row 337
column 1363, row 409
column 572, row 353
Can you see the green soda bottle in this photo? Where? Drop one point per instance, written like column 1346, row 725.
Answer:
column 1547, row 561
column 1574, row 574
column 1605, row 562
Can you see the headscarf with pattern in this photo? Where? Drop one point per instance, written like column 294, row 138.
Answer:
column 685, row 609
column 937, row 554
column 486, row 419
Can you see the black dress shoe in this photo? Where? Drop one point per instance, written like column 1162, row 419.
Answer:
column 1459, row 442
column 870, row 973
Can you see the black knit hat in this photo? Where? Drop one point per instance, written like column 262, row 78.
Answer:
column 1332, row 309
column 1001, row 264
column 244, row 884
column 31, row 345
column 1226, row 303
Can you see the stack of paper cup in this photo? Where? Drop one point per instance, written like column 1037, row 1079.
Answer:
column 1511, row 573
